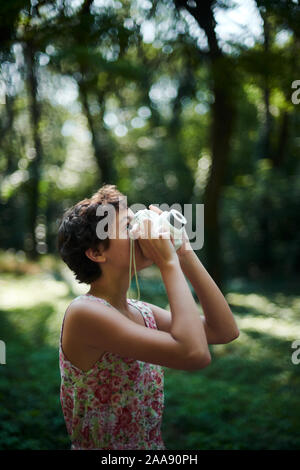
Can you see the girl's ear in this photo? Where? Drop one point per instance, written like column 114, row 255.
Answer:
column 95, row 255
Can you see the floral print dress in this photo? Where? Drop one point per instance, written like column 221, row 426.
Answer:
column 118, row 403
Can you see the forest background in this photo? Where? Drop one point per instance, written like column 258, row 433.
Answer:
column 189, row 102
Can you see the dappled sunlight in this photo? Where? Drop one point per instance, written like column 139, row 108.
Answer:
column 276, row 317
column 34, row 300
column 281, row 307
column 272, row 326
column 25, row 292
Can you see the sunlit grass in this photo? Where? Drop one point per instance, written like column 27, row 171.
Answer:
column 279, row 316
column 29, row 290
column 281, row 306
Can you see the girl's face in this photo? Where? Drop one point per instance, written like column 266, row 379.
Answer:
column 118, row 253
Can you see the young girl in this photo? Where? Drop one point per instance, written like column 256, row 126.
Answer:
column 112, row 349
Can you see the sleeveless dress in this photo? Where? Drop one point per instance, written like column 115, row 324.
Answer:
column 118, row 403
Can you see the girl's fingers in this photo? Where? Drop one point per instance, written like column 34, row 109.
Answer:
column 155, row 209
column 145, row 228
column 150, row 230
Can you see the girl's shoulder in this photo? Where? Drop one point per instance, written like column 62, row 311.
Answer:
column 144, row 307
column 86, row 298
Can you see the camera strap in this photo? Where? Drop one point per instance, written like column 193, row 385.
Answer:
column 132, row 253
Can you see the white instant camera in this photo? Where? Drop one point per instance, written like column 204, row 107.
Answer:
column 171, row 221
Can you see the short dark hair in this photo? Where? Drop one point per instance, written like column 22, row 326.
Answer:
column 77, row 232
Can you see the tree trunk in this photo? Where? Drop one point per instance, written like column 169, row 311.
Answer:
column 6, row 130
column 223, row 115
column 34, row 167
column 184, row 174
column 102, row 156
column 222, row 125
column 266, row 147
column 282, row 140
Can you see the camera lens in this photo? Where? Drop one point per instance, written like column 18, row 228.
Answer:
column 176, row 219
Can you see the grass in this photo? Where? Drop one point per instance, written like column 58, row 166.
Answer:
column 246, row 399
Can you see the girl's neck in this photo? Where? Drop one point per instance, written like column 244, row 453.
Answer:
column 115, row 294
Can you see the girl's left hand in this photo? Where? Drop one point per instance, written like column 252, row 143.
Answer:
column 186, row 246
column 145, row 262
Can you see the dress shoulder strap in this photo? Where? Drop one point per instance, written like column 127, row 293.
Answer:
column 147, row 313
column 150, row 315
column 138, row 304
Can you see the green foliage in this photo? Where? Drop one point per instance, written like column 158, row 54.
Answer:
column 29, row 386
column 94, row 77
column 256, row 245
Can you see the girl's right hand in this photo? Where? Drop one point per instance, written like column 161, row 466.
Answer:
column 160, row 249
